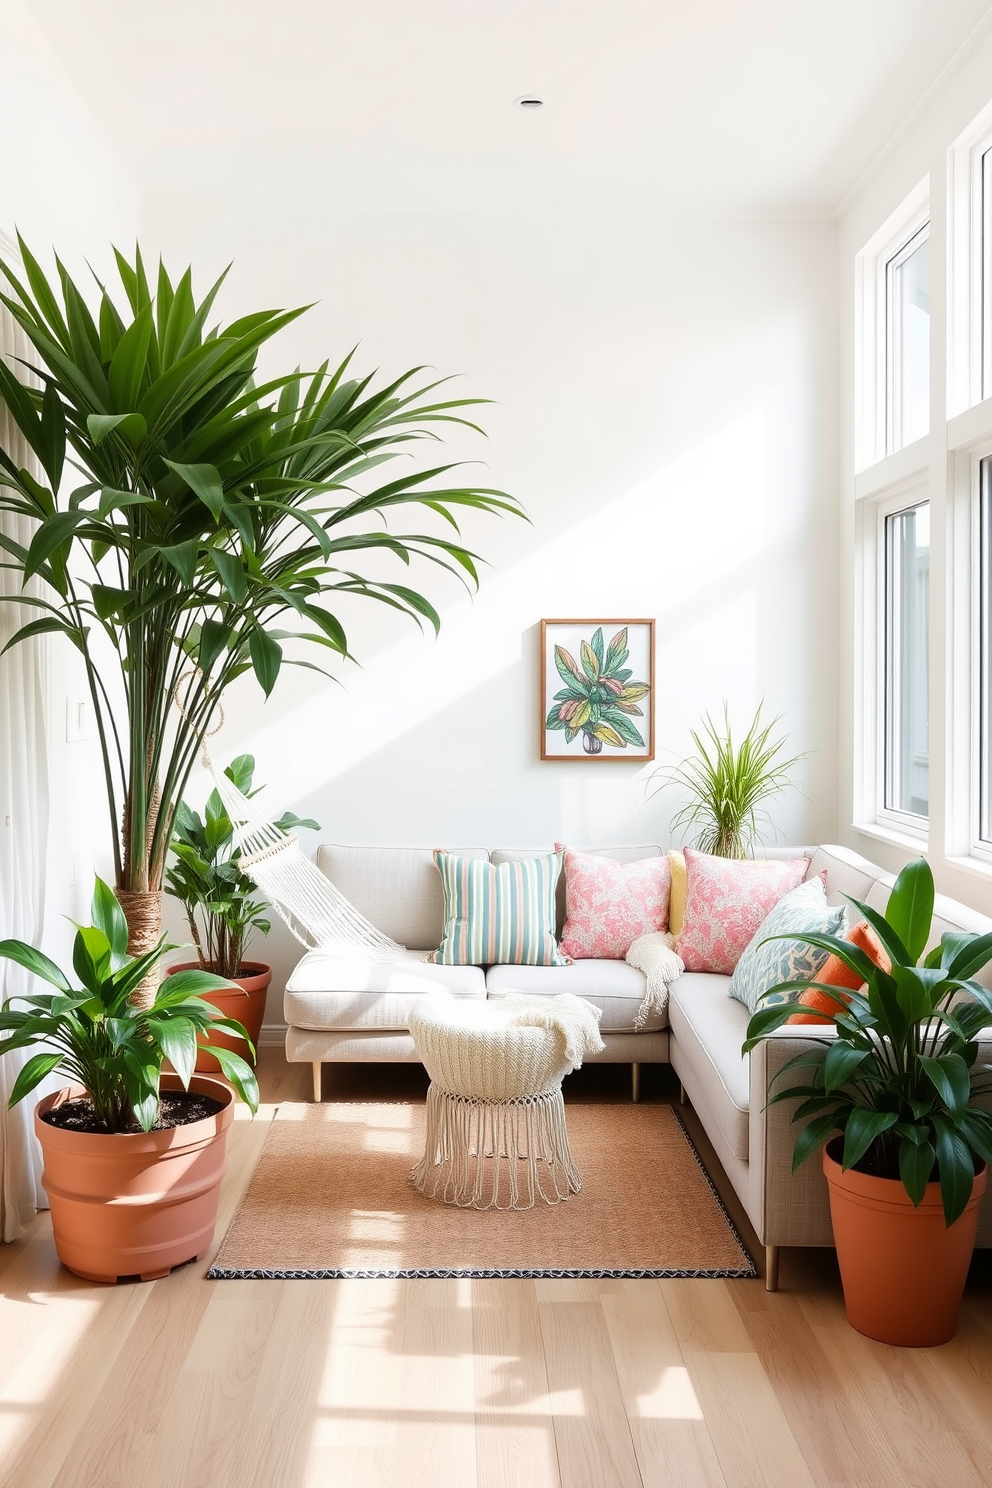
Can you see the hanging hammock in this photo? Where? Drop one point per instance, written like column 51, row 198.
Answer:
column 305, row 899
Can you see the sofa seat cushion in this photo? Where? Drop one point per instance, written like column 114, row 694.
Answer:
column 614, row 987
column 326, row 991
column 709, row 1028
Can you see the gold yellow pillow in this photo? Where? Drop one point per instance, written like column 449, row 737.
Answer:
column 676, row 894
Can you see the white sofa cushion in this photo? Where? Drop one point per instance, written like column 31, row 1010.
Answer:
column 397, row 888
column 325, row 991
column 709, row 1028
column 613, row 986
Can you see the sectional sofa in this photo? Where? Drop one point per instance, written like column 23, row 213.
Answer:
column 340, row 1010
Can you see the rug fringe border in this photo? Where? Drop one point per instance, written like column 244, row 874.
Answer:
column 220, row 1273
column 753, row 1270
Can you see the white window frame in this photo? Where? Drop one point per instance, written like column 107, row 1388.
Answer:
column 872, row 375
column 969, row 266
column 891, row 332
column 871, row 810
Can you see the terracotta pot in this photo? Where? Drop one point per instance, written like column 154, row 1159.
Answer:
column 249, row 1010
column 134, row 1204
column 902, row 1269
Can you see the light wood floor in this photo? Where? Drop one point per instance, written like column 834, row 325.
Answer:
column 185, row 1383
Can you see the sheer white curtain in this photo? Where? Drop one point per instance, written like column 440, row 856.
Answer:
column 24, row 804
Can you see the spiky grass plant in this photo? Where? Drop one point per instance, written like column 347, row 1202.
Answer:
column 725, row 783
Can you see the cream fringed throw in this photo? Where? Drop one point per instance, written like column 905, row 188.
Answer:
column 655, row 955
column 576, row 1019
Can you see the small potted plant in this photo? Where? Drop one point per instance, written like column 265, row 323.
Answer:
column 896, row 1094
column 223, row 907
column 133, row 1157
column 725, row 784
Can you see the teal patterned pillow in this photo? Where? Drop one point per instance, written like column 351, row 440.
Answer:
column 765, row 962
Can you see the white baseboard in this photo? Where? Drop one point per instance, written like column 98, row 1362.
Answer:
column 273, row 1036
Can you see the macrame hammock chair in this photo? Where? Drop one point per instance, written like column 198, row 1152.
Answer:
column 314, row 911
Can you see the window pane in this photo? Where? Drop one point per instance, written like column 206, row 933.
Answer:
column 907, row 692
column 985, row 655
column 907, row 335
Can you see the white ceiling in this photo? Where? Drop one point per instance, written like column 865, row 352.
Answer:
column 768, row 106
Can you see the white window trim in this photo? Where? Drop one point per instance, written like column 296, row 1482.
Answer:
column 870, row 349
column 969, row 258
column 871, row 814
column 969, row 441
column 891, row 333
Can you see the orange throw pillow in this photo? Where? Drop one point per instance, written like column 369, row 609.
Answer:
column 835, row 974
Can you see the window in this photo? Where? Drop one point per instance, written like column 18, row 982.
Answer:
column 892, row 332
column 906, row 691
column 984, row 639
column 907, row 342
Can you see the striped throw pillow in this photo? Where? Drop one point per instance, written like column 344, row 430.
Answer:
column 498, row 915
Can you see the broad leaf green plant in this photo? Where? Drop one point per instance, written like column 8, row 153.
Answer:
column 900, row 1076
column 601, row 697
column 194, row 523
column 222, row 903
column 725, row 784
column 93, row 1031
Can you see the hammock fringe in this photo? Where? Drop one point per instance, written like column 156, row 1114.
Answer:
column 313, row 910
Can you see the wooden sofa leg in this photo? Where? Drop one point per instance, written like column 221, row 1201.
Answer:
column 771, row 1268
column 683, row 1098
column 317, row 1067
column 635, row 1082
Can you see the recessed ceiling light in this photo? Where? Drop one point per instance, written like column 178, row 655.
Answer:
column 528, row 101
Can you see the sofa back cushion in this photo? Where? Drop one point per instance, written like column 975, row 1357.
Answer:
column 608, row 905
column 397, row 888
column 726, row 901
column 501, row 913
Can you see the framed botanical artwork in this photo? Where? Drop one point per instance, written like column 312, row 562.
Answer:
column 597, row 689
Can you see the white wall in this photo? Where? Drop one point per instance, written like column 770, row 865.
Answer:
column 62, row 185
column 666, row 410
column 921, row 149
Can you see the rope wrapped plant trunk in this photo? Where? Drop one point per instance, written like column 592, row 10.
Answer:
column 143, row 912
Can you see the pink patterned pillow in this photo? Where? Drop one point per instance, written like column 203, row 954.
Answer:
column 609, row 904
column 726, row 900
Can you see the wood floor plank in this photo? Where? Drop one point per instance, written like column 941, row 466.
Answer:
column 704, row 1316
column 753, row 1440
column 670, row 1435
column 515, row 1439
column 592, row 1434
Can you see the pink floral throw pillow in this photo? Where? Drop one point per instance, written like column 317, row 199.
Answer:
column 609, row 904
column 726, row 900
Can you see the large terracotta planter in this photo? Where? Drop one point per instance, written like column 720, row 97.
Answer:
column 902, row 1269
column 248, row 1006
column 135, row 1204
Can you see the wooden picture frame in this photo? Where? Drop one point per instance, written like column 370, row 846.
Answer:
column 597, row 690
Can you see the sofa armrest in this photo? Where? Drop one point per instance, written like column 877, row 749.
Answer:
column 788, row 1208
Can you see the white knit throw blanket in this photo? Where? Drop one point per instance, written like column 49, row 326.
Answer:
column 654, row 954
column 577, row 1019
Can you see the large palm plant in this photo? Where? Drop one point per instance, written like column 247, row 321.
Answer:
column 191, row 522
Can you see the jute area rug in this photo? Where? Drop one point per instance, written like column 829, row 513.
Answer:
column 331, row 1197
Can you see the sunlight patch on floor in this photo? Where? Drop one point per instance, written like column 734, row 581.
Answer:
column 673, row 1399
column 40, row 1337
